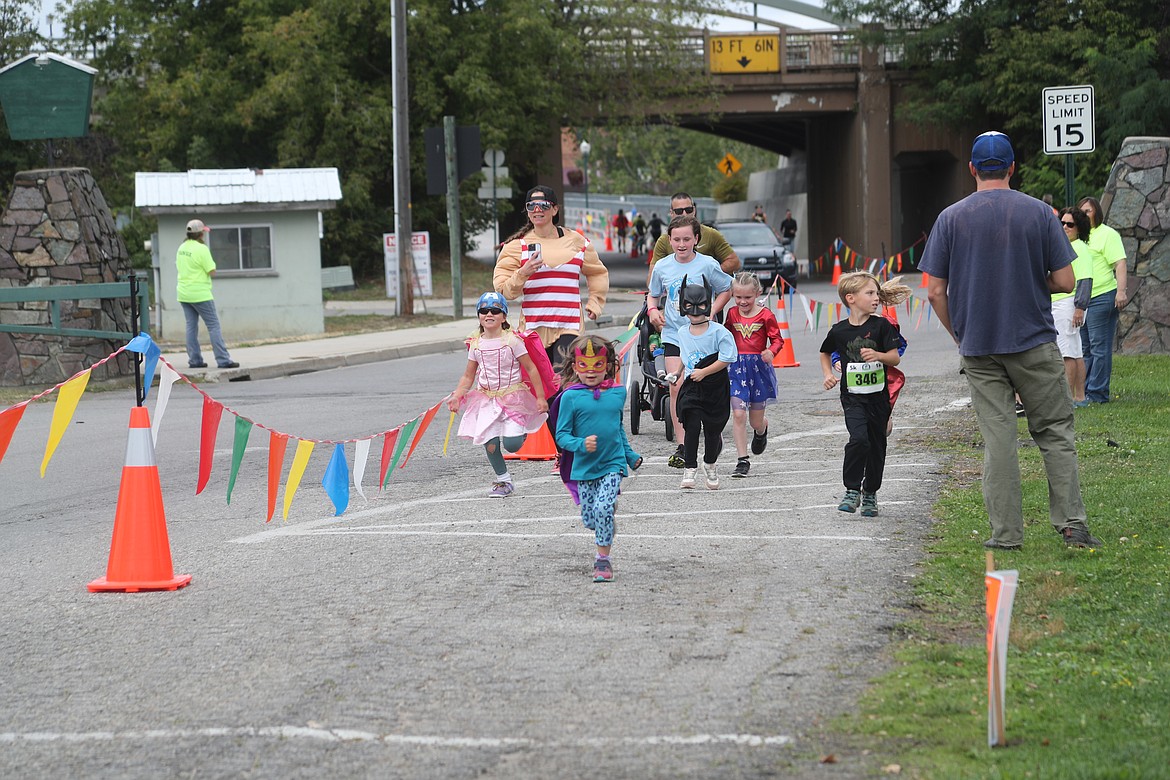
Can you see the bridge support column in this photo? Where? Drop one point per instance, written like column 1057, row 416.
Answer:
column 873, row 135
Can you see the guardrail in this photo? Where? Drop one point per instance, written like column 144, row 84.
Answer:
column 78, row 292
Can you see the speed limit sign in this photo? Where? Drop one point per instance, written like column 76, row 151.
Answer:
column 1068, row 120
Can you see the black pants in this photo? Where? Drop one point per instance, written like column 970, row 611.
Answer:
column 866, row 417
column 704, row 406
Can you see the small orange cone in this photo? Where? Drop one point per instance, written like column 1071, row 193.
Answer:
column 785, row 358
column 925, row 280
column 836, row 269
column 538, row 446
column 140, row 553
column 608, row 240
column 891, row 314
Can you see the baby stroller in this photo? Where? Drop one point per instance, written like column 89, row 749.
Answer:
column 651, row 393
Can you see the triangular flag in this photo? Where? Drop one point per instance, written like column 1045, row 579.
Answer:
column 67, row 399
column 166, row 378
column 422, row 428
column 9, row 419
column 212, row 411
column 361, row 453
column 276, row 445
column 296, row 471
column 144, row 344
column 336, row 480
column 387, row 455
column 239, row 444
column 446, row 439
column 403, row 437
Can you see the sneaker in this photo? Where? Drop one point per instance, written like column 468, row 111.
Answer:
column 1081, row 404
column 851, row 501
column 759, row 441
column 662, row 375
column 869, row 506
column 1020, row 410
column 602, row 570
column 741, row 468
column 230, row 364
column 197, row 365
column 501, row 490
column 1079, row 537
column 991, row 544
column 688, row 480
column 677, row 461
column 711, row 475
column 671, row 378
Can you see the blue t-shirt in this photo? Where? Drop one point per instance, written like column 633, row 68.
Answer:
column 582, row 415
column 716, row 340
column 667, row 278
column 995, row 249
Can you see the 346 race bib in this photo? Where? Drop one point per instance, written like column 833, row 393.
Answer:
column 863, row 378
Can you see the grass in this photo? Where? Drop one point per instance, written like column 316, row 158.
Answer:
column 1088, row 663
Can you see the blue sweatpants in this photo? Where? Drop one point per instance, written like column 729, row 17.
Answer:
column 598, row 500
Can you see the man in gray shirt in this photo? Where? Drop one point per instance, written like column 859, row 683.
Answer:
column 994, row 260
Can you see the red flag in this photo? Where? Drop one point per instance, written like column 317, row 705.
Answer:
column 422, row 428
column 276, row 445
column 9, row 419
column 387, row 455
column 212, row 410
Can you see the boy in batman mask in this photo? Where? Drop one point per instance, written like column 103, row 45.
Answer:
column 704, row 400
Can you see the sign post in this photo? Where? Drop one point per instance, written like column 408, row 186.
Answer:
column 1069, row 127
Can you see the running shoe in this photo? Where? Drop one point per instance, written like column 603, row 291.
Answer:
column 759, row 442
column 602, row 570
column 741, row 468
column 1020, row 411
column 869, row 507
column 711, row 475
column 677, row 461
column 501, row 490
column 851, row 501
column 688, row 480
column 1079, row 537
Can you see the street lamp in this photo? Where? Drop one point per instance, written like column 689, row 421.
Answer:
column 585, row 149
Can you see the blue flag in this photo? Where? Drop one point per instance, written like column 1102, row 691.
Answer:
column 144, row 344
column 336, row 480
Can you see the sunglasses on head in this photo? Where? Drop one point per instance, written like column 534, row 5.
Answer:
column 1068, row 224
column 683, row 210
column 538, row 205
column 491, row 311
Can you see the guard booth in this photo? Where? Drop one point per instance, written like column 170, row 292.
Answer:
column 46, row 96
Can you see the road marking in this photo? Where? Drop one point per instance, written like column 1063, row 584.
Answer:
column 424, row 740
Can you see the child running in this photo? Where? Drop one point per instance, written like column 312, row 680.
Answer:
column 867, row 344
column 589, row 430
column 500, row 411
column 704, row 400
column 753, row 380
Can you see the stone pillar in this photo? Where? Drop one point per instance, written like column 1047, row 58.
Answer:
column 1136, row 203
column 57, row 229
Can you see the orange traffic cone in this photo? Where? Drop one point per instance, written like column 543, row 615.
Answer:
column 140, row 553
column 925, row 280
column 538, row 446
column 785, row 358
column 836, row 269
column 608, row 240
column 891, row 314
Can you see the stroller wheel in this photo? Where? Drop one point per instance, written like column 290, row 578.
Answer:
column 635, row 412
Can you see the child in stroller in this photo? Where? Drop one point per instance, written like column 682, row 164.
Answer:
column 652, row 392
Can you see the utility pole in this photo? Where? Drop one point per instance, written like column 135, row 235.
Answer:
column 400, row 97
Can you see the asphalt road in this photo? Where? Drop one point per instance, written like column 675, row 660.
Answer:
column 432, row 632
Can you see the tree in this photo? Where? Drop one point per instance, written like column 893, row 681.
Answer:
column 993, row 57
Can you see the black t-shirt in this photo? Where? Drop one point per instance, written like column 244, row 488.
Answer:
column 876, row 333
column 788, row 228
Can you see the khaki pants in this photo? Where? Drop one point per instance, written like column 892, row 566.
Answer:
column 1038, row 376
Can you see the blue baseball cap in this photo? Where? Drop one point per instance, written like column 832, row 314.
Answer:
column 492, row 300
column 992, row 151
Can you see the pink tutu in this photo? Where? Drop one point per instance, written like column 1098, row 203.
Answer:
column 508, row 412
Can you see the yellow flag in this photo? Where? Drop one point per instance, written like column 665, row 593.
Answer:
column 296, row 471
column 67, row 398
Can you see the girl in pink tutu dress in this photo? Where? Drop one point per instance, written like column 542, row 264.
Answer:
column 499, row 410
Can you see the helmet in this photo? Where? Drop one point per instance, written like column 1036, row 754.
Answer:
column 695, row 298
column 491, row 300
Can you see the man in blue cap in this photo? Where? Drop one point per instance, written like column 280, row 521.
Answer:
column 994, row 260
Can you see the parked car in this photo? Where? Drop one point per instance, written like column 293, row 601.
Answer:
column 761, row 250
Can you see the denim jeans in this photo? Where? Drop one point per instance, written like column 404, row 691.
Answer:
column 1097, row 337
column 206, row 310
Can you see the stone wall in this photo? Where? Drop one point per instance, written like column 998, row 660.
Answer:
column 1136, row 203
column 57, row 229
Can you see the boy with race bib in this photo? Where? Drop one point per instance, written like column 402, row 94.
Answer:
column 868, row 345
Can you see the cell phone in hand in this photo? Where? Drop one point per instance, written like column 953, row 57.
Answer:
column 534, row 255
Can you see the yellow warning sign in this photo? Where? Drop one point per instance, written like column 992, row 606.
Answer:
column 755, row 53
column 729, row 165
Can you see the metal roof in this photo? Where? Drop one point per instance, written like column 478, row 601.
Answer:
column 236, row 186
